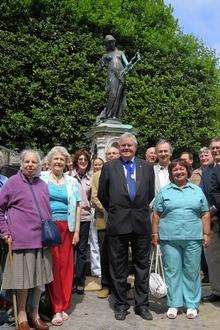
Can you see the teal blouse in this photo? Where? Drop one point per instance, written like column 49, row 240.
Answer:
column 73, row 195
column 58, row 201
column 180, row 212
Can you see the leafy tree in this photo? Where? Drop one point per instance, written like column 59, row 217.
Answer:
column 51, row 90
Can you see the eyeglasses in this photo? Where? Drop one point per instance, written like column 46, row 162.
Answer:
column 82, row 159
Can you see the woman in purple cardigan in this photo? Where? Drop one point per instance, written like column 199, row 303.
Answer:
column 20, row 227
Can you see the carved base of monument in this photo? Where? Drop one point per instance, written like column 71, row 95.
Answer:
column 106, row 134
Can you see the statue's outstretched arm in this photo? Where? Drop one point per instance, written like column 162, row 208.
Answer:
column 124, row 59
column 132, row 62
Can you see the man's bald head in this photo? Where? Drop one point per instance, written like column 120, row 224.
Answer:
column 111, row 153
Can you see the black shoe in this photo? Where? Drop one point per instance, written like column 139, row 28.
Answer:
column 80, row 290
column 211, row 298
column 205, row 280
column 74, row 290
column 144, row 313
column 120, row 315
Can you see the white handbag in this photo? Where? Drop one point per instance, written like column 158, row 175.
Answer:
column 157, row 283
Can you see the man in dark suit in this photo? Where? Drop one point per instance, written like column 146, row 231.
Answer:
column 215, row 187
column 126, row 187
column 212, row 252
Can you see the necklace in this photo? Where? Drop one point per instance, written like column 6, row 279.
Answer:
column 57, row 179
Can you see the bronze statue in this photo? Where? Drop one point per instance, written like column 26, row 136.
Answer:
column 118, row 66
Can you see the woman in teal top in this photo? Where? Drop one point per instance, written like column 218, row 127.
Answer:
column 65, row 206
column 58, row 201
column 181, row 222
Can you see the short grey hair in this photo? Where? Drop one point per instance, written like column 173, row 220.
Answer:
column 30, row 151
column 162, row 141
column 111, row 147
column 128, row 135
column 2, row 160
column 58, row 149
column 215, row 139
column 204, row 150
column 150, row 148
column 44, row 160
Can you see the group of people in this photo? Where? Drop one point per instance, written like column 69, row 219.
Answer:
column 28, row 198
column 121, row 203
column 183, row 195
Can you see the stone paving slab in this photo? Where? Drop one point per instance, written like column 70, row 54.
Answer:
column 92, row 313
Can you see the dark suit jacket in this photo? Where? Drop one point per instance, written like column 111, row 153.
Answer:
column 124, row 215
column 215, row 187
column 205, row 183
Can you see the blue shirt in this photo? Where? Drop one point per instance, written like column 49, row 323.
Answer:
column 134, row 167
column 3, row 180
column 180, row 212
column 58, row 201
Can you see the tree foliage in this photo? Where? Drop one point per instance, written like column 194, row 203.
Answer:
column 51, row 90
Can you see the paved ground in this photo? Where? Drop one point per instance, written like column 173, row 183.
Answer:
column 91, row 313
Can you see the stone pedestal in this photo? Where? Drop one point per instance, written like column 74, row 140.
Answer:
column 106, row 134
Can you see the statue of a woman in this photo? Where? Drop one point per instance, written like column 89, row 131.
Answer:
column 115, row 84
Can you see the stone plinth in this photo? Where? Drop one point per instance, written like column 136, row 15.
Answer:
column 106, row 134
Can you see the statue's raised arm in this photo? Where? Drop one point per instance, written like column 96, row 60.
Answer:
column 117, row 65
column 132, row 63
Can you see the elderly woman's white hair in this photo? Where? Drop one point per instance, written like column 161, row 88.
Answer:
column 31, row 151
column 2, row 160
column 58, row 149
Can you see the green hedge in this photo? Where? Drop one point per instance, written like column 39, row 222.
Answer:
column 51, row 91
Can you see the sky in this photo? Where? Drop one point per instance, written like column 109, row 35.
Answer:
column 201, row 18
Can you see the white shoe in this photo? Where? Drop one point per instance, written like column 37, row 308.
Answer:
column 172, row 313
column 57, row 319
column 65, row 316
column 191, row 313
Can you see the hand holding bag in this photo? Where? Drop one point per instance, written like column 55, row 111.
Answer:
column 157, row 283
column 49, row 231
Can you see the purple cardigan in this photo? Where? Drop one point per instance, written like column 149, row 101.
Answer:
column 18, row 212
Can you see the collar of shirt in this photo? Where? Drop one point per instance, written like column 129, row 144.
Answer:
column 77, row 176
column 25, row 179
column 162, row 167
column 125, row 160
column 175, row 186
column 125, row 170
column 214, row 164
column 211, row 165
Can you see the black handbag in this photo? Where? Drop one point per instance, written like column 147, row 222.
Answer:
column 49, row 231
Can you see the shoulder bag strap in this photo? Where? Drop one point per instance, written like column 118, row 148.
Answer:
column 35, row 200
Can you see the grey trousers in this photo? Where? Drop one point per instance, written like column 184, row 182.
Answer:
column 212, row 253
